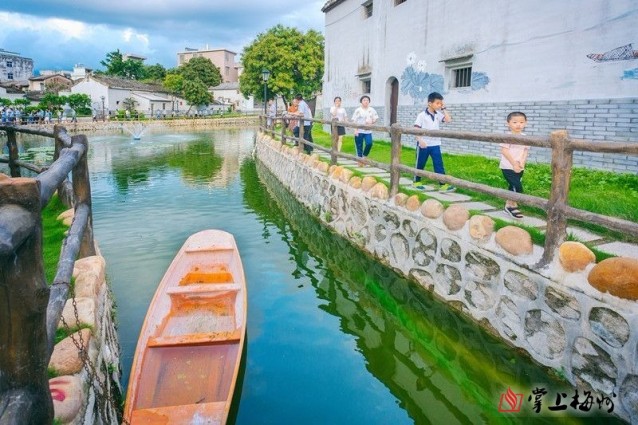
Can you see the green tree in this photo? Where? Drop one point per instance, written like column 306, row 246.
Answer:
column 51, row 101
column 5, row 102
column 22, row 102
column 80, row 102
column 196, row 93
column 173, row 83
column 129, row 103
column 115, row 64
column 294, row 59
column 201, row 69
column 154, row 72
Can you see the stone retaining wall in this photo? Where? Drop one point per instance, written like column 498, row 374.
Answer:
column 554, row 315
column 87, row 392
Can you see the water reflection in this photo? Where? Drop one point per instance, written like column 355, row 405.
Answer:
column 442, row 367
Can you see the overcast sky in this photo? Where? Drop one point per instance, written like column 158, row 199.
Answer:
column 58, row 34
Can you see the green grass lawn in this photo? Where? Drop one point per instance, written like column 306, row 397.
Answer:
column 52, row 236
column 602, row 192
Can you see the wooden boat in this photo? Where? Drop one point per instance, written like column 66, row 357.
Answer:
column 190, row 347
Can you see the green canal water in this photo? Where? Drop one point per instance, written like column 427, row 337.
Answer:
column 333, row 336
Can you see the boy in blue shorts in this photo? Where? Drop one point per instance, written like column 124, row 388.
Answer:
column 430, row 119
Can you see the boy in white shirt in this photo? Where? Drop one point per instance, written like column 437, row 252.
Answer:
column 364, row 114
column 513, row 158
column 430, row 119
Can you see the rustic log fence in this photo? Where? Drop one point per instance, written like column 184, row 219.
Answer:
column 30, row 310
column 556, row 207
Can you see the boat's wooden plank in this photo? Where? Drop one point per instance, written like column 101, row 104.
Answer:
column 209, row 413
column 204, row 287
column 172, row 376
column 209, row 249
column 195, row 339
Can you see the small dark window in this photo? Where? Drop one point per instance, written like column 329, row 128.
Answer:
column 366, row 86
column 9, row 64
column 398, row 2
column 367, row 9
column 463, row 77
column 10, row 76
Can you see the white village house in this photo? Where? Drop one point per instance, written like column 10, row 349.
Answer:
column 108, row 94
column 229, row 95
column 567, row 65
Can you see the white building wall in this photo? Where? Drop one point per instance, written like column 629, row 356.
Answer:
column 526, row 55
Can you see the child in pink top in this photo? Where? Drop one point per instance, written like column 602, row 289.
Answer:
column 513, row 158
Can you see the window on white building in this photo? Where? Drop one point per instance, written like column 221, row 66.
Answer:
column 366, row 86
column 458, row 71
column 462, row 77
column 9, row 64
column 367, row 9
column 10, row 76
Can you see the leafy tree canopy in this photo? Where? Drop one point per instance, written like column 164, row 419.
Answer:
column 115, row 64
column 294, row 59
column 201, row 69
column 154, row 73
column 173, row 83
column 196, row 93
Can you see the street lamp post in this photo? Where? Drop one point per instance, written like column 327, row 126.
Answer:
column 265, row 75
column 103, row 117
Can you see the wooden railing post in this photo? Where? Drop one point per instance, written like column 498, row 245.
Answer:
column 24, row 383
column 562, row 160
column 395, row 160
column 283, row 131
column 301, row 135
column 12, row 144
column 82, row 194
column 335, row 142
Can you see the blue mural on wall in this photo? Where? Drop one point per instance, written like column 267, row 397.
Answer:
column 417, row 83
column 622, row 53
column 479, row 80
column 630, row 74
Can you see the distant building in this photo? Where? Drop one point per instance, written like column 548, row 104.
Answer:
column 229, row 94
column 57, row 82
column 15, row 68
column 565, row 69
column 109, row 94
column 80, row 71
column 133, row 56
column 222, row 58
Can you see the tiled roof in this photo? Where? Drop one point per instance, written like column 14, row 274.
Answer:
column 331, row 4
column 122, row 83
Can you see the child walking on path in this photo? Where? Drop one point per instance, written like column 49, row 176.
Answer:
column 513, row 158
column 430, row 119
column 337, row 112
column 365, row 114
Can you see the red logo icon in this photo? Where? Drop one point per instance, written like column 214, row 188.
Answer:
column 510, row 402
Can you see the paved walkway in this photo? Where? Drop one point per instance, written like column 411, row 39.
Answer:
column 623, row 249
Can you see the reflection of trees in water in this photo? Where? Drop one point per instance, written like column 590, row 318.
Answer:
column 197, row 161
column 441, row 366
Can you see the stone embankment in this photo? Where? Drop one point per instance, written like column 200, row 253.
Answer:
column 575, row 316
column 86, row 364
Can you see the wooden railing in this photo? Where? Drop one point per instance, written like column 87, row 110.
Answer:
column 562, row 147
column 29, row 309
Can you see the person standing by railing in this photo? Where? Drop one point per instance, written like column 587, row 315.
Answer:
column 337, row 112
column 513, row 158
column 365, row 114
column 430, row 119
column 303, row 110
